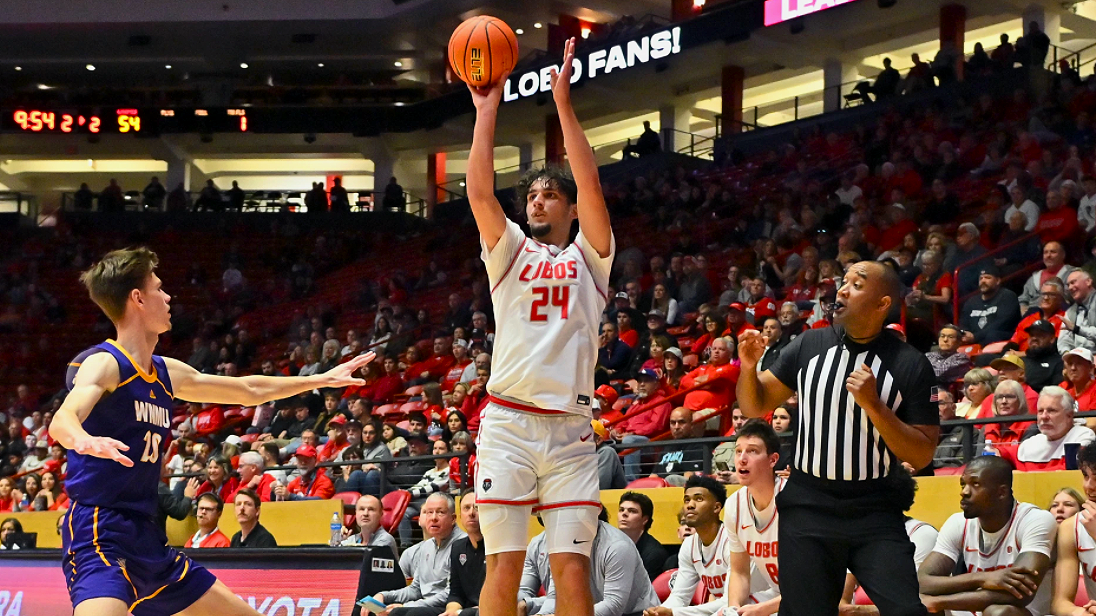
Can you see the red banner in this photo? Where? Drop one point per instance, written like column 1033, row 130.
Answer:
column 32, row 588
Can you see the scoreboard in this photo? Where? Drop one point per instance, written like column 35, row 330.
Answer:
column 98, row 121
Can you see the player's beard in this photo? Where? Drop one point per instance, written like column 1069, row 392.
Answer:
column 540, row 230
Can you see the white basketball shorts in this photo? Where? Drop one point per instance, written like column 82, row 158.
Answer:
column 528, row 462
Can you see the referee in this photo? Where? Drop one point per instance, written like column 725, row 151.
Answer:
column 866, row 404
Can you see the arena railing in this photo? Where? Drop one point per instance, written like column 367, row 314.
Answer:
column 385, row 484
column 957, row 301
column 275, row 200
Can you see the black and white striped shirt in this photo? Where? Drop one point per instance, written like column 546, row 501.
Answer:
column 835, row 440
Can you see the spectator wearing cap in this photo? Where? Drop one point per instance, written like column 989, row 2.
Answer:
column 1010, row 367
column 720, row 376
column 1046, row 451
column 694, row 288
column 822, row 313
column 992, row 314
column 36, row 458
column 968, row 251
column 1079, row 323
column 1042, row 364
column 947, row 362
column 1079, row 380
column 209, row 510
column 407, row 472
column 1054, row 266
column 460, row 362
column 899, row 331
column 673, row 369
column 606, row 397
column 620, row 302
column 311, row 484
column 253, row 477
column 1050, row 308
column 481, row 331
column 649, row 416
column 336, row 439
column 353, row 428
column 736, row 320
column 613, row 355
column 1086, row 211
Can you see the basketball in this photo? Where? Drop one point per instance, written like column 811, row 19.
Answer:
column 482, row 50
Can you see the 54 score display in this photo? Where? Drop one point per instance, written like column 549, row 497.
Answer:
column 39, row 121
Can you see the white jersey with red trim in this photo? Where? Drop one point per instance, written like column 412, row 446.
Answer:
column 548, row 305
column 700, row 564
column 1086, row 553
column 755, row 532
column 1030, row 529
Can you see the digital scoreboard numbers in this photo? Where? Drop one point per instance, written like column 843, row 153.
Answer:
column 204, row 120
column 47, row 121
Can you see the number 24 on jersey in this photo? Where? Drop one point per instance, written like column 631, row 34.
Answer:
column 548, row 301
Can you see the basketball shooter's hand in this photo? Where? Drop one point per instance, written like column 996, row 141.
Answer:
column 488, row 99
column 340, row 376
column 561, row 81
column 751, row 346
column 102, row 447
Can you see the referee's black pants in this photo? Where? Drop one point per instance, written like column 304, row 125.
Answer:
column 823, row 532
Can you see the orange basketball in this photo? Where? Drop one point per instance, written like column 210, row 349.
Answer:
column 482, row 50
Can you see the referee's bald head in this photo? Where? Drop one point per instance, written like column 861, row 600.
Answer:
column 860, row 298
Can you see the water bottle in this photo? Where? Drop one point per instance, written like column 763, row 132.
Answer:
column 336, row 530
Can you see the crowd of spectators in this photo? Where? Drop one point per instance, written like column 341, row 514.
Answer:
column 983, row 206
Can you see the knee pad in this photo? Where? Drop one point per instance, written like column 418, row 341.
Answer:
column 505, row 528
column 570, row 529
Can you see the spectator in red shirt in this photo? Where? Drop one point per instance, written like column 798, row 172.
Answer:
column 460, row 443
column 1079, row 380
column 7, row 501
column 1059, row 222
column 440, row 362
column 209, row 510
column 626, row 331
column 1008, row 400
column 1010, row 367
column 253, row 478
column 1052, row 294
column 460, row 362
column 388, row 385
column 219, row 478
column 714, row 327
column 652, row 420
column 311, row 484
column 736, row 319
column 336, row 439
column 722, row 376
column 900, row 226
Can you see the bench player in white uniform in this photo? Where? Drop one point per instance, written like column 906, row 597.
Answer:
column 536, row 444
column 702, row 558
column 751, row 521
column 1008, row 567
column 1076, row 547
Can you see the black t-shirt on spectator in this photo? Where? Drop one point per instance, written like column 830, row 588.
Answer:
column 654, row 555
column 260, row 537
column 679, row 459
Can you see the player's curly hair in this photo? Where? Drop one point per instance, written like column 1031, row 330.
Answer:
column 554, row 176
column 903, row 486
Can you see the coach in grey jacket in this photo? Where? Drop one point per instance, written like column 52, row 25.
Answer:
column 1079, row 325
column 1054, row 260
column 617, row 576
column 427, row 562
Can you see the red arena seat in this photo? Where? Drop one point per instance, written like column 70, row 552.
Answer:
column 648, row 482
column 664, row 584
column 395, row 505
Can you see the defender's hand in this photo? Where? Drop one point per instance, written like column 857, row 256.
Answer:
column 103, row 447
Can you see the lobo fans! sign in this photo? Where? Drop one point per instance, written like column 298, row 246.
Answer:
column 777, row 11
column 597, row 63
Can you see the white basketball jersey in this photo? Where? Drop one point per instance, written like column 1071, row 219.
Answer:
column 1086, row 553
column 548, row 305
column 744, row 534
column 709, row 563
column 1027, row 521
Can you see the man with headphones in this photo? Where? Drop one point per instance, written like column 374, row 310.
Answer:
column 1046, row 451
